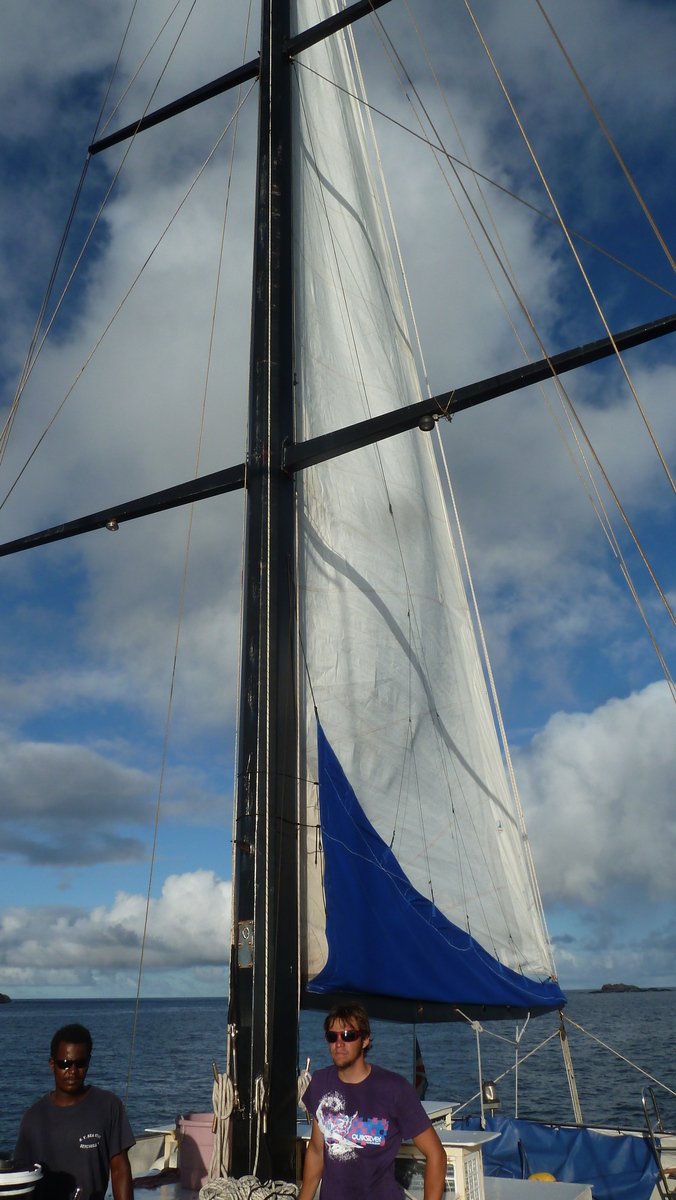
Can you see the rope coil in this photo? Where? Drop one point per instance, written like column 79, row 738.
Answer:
column 246, row 1188
column 223, row 1104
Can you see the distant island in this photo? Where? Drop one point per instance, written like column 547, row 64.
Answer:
column 626, row 987
column 5, row 999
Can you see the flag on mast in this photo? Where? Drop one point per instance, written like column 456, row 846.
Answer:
column 421, row 1081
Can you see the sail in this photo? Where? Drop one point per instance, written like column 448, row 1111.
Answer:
column 388, row 662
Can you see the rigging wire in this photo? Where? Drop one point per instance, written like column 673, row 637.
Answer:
column 509, row 1070
column 185, row 566
column 585, row 277
column 217, row 288
column 604, row 519
column 28, row 362
column 123, row 300
column 35, row 349
column 611, row 143
column 422, row 137
column 9, row 422
column 140, row 67
column 561, row 389
column 618, row 1055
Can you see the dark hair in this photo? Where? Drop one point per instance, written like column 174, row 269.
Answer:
column 351, row 1013
column 76, row 1034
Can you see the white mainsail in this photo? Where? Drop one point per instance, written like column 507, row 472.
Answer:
column 387, row 647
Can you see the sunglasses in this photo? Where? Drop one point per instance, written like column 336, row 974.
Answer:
column 65, row 1063
column 344, row 1035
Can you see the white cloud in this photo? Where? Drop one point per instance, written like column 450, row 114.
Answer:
column 598, row 792
column 69, row 805
column 188, row 926
column 65, row 805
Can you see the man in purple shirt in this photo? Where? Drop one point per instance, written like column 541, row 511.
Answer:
column 361, row 1115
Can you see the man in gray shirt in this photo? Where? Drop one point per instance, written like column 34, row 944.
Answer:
column 79, row 1134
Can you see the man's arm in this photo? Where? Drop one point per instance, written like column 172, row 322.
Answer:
column 314, row 1164
column 435, row 1163
column 120, row 1177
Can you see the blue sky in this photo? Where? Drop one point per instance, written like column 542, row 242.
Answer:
column 89, row 627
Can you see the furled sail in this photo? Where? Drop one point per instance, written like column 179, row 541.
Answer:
column 408, row 822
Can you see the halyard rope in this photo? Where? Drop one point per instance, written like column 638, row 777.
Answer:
column 223, row 1099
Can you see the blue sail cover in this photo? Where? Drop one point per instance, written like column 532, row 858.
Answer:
column 383, row 936
column 617, row 1166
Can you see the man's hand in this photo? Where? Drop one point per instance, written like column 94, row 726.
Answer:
column 314, row 1164
column 435, row 1163
column 120, row 1177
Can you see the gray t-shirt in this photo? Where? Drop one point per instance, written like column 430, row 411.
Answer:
column 74, row 1143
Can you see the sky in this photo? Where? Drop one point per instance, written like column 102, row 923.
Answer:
column 89, row 625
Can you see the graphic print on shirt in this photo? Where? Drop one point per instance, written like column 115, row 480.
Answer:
column 343, row 1134
column 89, row 1141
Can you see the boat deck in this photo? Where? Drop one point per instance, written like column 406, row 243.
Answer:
column 496, row 1189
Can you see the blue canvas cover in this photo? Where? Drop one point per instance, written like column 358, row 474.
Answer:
column 384, row 937
column 618, row 1167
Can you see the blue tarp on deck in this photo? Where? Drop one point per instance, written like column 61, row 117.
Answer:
column 386, row 938
column 618, row 1167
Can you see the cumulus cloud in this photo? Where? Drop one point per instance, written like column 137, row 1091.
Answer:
column 598, row 790
column 69, row 805
column 62, row 805
column 188, row 926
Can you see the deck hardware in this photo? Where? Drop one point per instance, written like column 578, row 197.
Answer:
column 245, row 944
column 490, row 1095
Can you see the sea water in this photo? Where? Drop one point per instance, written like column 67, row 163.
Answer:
column 177, row 1041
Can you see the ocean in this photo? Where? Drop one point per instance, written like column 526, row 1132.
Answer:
column 177, row 1041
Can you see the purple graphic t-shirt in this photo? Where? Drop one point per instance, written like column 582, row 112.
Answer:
column 363, row 1125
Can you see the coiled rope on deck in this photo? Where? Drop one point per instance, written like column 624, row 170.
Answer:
column 246, row 1188
column 223, row 1104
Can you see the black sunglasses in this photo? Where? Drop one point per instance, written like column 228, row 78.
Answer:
column 64, row 1063
column 345, row 1035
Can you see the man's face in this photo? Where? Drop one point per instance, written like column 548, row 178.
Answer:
column 69, row 1079
column 346, row 1053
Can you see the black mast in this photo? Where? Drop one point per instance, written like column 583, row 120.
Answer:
column 264, row 987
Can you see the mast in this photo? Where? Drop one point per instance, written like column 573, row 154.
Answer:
column 264, row 958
